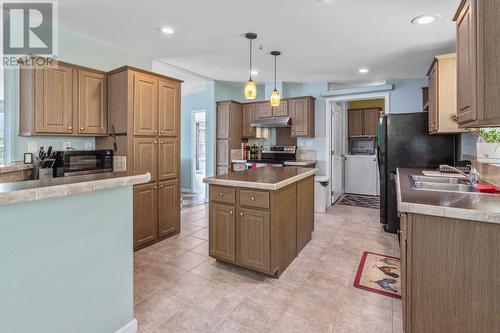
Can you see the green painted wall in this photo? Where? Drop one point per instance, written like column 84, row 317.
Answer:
column 73, row 48
column 67, row 264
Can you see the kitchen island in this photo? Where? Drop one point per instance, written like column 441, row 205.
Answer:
column 261, row 218
column 66, row 254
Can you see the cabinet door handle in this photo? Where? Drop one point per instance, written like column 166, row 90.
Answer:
column 231, row 212
column 70, row 128
column 241, row 214
column 252, row 198
column 155, row 187
column 156, row 131
column 156, row 142
column 221, row 195
column 82, row 128
column 161, row 142
column 161, row 131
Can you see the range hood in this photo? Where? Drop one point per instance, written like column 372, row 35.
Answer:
column 276, row 122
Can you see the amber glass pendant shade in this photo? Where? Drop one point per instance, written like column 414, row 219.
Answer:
column 275, row 98
column 250, row 90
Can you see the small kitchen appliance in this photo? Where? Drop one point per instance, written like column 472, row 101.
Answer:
column 82, row 162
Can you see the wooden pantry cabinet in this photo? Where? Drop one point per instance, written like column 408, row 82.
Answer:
column 229, row 132
column 62, row 99
column 144, row 110
column 442, row 94
column 478, row 63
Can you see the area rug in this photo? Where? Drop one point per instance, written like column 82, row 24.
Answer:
column 365, row 201
column 379, row 274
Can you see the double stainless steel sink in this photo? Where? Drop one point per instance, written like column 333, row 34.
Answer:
column 449, row 184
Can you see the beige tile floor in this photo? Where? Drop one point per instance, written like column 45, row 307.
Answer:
column 178, row 288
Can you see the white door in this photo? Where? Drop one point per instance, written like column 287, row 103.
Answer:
column 337, row 151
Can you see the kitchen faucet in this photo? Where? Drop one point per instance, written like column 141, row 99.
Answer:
column 473, row 176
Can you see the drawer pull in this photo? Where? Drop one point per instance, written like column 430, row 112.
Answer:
column 220, row 194
column 231, row 212
column 252, row 198
column 82, row 128
column 70, row 128
column 241, row 214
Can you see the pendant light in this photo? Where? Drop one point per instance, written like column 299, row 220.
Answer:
column 275, row 95
column 250, row 87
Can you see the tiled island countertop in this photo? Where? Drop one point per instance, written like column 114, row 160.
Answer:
column 474, row 206
column 32, row 190
column 263, row 178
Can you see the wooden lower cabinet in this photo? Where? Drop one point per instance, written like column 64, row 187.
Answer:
column 305, row 212
column 255, row 238
column 449, row 274
column 168, row 208
column 221, row 232
column 145, row 214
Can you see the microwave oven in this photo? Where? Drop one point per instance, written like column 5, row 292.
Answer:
column 82, row 162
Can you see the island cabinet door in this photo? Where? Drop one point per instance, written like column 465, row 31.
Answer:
column 305, row 212
column 168, row 159
column 145, row 214
column 221, row 237
column 169, row 207
column 254, row 239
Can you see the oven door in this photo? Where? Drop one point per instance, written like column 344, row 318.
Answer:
column 87, row 162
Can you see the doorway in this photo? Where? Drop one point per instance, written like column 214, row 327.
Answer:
column 338, row 132
column 198, row 160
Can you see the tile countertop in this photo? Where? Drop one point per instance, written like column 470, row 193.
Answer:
column 31, row 190
column 262, row 178
column 483, row 207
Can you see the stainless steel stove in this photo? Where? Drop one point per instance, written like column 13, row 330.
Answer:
column 273, row 156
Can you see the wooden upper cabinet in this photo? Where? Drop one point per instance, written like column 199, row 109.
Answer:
column 168, row 162
column 282, row 110
column 145, row 214
column 145, row 105
column 301, row 110
column 247, row 130
column 371, row 121
column 146, row 156
column 92, row 103
column 168, row 96
column 264, row 110
column 254, row 239
column 223, row 120
column 47, row 100
column 221, row 239
column 356, row 122
column 443, row 94
column 478, row 63
column 168, row 208
column 433, row 97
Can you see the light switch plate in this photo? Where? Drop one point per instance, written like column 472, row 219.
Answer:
column 66, row 145
column 89, row 145
column 33, row 147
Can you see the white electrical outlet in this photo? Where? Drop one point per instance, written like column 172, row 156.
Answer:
column 33, row 147
column 66, row 145
column 89, row 145
column 119, row 163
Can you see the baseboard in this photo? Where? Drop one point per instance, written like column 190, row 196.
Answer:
column 131, row 327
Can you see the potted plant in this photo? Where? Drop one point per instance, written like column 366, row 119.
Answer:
column 488, row 146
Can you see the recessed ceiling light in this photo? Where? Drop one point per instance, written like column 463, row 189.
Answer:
column 167, row 30
column 425, row 19
column 363, row 70
column 255, row 72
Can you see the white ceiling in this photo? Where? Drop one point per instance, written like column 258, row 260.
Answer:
column 319, row 41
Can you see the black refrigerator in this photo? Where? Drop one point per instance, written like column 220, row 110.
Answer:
column 404, row 142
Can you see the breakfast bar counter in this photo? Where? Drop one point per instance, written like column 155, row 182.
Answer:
column 261, row 218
